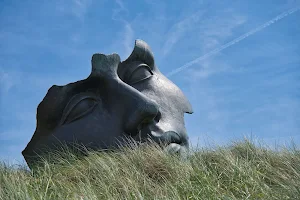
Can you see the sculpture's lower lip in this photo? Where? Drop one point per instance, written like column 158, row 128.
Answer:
column 173, row 148
column 177, row 149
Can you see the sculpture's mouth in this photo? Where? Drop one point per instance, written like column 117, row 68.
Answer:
column 174, row 142
column 171, row 141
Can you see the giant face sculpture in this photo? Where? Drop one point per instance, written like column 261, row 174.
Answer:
column 119, row 99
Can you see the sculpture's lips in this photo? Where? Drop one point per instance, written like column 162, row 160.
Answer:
column 169, row 139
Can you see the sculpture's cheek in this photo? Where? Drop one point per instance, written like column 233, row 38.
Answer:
column 165, row 93
column 170, row 100
column 91, row 130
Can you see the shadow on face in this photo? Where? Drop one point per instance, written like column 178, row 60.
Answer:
column 118, row 100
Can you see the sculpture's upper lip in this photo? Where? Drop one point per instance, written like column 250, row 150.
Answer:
column 156, row 134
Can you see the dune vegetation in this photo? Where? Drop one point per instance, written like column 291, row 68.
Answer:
column 241, row 170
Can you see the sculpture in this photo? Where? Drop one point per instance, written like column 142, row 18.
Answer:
column 118, row 99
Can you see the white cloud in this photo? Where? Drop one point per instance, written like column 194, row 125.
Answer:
column 236, row 40
column 117, row 12
column 127, row 34
column 210, row 29
column 178, row 30
column 5, row 82
column 34, row 82
column 8, row 80
column 219, row 28
column 16, row 135
column 207, row 68
column 78, row 8
column 128, row 38
column 210, row 101
column 12, row 156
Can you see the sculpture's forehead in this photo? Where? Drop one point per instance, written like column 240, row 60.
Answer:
column 141, row 52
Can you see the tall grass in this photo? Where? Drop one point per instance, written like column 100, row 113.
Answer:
column 239, row 171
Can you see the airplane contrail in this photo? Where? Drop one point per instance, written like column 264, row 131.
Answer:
column 242, row 37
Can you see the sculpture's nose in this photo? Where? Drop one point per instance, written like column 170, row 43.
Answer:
column 136, row 107
column 139, row 110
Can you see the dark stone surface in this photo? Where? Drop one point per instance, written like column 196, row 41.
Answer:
column 118, row 100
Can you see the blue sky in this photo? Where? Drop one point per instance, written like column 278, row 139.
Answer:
column 250, row 87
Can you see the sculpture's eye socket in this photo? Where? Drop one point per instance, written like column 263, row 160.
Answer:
column 140, row 73
column 79, row 106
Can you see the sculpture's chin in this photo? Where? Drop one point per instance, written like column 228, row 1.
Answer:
column 174, row 148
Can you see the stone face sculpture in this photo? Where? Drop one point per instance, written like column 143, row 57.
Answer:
column 119, row 99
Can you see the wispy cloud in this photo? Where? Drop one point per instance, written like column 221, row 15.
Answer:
column 209, row 29
column 128, row 38
column 265, row 104
column 233, row 42
column 78, row 8
column 219, row 28
column 119, row 11
column 208, row 68
column 6, row 81
column 32, row 81
column 127, row 34
column 179, row 29
column 221, row 106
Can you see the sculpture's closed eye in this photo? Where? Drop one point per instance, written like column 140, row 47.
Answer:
column 79, row 106
column 140, row 73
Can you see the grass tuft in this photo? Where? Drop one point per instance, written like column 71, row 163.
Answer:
column 239, row 171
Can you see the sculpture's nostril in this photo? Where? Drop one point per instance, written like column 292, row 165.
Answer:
column 157, row 117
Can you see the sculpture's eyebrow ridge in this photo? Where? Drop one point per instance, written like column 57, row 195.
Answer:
column 141, row 52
